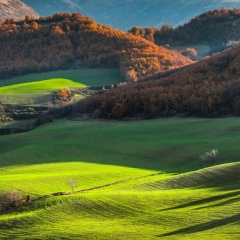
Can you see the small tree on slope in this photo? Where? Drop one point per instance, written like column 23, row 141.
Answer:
column 209, row 158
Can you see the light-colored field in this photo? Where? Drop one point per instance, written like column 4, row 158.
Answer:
column 159, row 189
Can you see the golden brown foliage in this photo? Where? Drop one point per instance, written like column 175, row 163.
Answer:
column 72, row 40
column 208, row 88
column 63, row 93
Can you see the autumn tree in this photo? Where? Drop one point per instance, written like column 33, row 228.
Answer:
column 190, row 52
column 63, row 93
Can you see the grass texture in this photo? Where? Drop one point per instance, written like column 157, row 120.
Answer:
column 38, row 87
column 147, row 180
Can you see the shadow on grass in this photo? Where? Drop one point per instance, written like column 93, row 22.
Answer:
column 204, row 226
column 205, row 201
column 230, row 201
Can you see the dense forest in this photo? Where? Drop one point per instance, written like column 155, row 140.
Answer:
column 208, row 88
column 213, row 27
column 69, row 40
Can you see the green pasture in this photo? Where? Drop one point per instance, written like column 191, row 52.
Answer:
column 40, row 86
column 37, row 88
column 158, row 187
column 89, row 77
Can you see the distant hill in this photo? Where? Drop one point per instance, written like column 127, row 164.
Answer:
column 64, row 41
column 219, row 29
column 208, row 88
column 124, row 14
column 15, row 9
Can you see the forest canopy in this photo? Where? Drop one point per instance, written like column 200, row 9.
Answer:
column 67, row 40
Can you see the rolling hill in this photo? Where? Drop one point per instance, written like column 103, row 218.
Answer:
column 136, row 179
column 15, row 9
column 64, row 41
column 124, row 14
column 215, row 31
column 37, row 89
column 207, row 88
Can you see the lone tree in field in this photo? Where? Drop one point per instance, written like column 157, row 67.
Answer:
column 209, row 158
column 72, row 183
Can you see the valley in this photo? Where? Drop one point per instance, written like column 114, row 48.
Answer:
column 106, row 134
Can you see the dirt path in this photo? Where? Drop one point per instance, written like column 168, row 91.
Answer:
column 96, row 187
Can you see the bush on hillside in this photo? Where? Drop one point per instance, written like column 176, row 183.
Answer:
column 209, row 158
column 190, row 53
column 10, row 199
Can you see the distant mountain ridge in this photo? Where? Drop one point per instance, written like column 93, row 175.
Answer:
column 15, row 9
column 218, row 29
column 124, row 14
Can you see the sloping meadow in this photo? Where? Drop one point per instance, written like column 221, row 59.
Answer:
column 136, row 179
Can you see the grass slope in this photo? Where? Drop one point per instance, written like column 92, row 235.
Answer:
column 40, row 86
column 163, row 193
column 37, row 88
column 89, row 77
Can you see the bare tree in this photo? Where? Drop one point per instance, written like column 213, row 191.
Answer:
column 210, row 157
column 72, row 183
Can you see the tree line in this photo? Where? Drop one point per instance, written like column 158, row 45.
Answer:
column 215, row 27
column 208, row 88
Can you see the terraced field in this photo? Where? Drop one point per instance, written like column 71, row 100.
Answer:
column 136, row 180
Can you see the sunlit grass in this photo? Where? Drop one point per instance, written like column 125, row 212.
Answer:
column 159, row 188
column 37, row 88
column 40, row 86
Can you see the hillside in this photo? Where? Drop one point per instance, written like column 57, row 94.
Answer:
column 217, row 28
column 15, row 9
column 124, row 14
column 135, row 180
column 208, row 88
column 213, row 27
column 64, row 41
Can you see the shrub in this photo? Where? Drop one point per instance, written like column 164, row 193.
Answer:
column 210, row 158
column 190, row 53
column 10, row 199
column 63, row 93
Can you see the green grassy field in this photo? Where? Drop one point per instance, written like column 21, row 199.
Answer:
column 38, row 87
column 158, row 188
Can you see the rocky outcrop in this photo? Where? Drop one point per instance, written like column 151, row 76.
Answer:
column 15, row 9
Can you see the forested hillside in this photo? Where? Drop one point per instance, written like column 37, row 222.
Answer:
column 213, row 27
column 65, row 41
column 208, row 88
